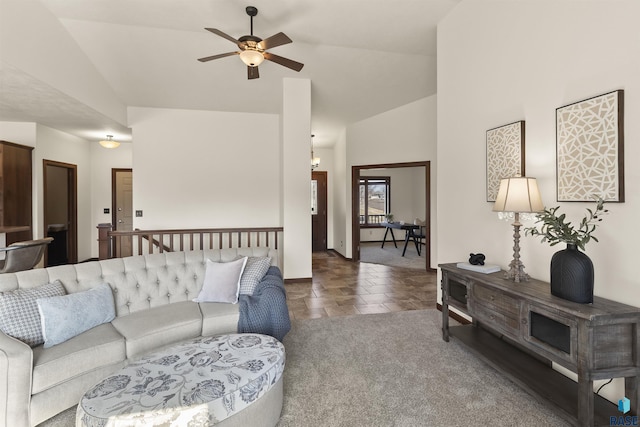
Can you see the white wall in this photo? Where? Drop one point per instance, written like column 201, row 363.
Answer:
column 405, row 134
column 23, row 133
column 102, row 161
column 205, row 169
column 341, row 204
column 502, row 61
column 296, row 173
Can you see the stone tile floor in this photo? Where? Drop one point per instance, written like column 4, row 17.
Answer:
column 340, row 287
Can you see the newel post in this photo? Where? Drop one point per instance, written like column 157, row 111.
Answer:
column 104, row 241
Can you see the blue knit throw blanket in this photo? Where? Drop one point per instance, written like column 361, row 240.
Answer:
column 266, row 311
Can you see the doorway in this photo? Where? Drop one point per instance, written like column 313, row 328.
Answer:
column 318, row 211
column 61, row 212
column 122, row 208
column 355, row 205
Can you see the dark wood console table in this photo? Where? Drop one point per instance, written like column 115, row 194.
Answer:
column 520, row 328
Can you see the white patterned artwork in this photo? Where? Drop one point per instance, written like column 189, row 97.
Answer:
column 505, row 155
column 589, row 144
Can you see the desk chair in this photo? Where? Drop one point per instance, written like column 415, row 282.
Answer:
column 25, row 255
column 420, row 234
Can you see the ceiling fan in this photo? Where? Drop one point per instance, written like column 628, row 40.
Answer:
column 253, row 49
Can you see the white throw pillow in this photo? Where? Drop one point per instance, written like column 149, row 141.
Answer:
column 66, row 316
column 222, row 281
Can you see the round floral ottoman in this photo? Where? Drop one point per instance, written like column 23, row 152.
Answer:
column 225, row 380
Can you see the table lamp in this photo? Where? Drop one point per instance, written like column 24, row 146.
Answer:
column 518, row 195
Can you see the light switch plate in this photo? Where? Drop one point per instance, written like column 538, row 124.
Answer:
column 138, row 214
column 106, row 210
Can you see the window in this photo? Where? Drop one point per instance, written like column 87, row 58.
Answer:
column 374, row 200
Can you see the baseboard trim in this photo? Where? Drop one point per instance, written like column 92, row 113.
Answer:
column 298, row 280
column 339, row 254
column 455, row 316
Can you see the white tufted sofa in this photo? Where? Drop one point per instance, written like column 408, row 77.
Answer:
column 152, row 296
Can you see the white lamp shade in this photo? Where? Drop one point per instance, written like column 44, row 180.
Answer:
column 251, row 57
column 518, row 194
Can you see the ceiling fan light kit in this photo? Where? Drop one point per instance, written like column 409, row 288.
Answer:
column 253, row 49
column 251, row 57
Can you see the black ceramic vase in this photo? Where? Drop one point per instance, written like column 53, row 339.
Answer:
column 572, row 275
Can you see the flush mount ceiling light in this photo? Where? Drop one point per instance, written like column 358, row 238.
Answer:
column 109, row 142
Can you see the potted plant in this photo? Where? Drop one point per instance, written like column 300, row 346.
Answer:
column 571, row 269
column 389, row 218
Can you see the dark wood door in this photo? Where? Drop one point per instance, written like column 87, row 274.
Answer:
column 122, row 196
column 319, row 211
column 61, row 212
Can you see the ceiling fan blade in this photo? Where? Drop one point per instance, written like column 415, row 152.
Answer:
column 252, row 72
column 226, row 36
column 275, row 40
column 222, row 55
column 296, row 66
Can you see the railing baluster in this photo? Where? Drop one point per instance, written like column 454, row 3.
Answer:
column 156, row 239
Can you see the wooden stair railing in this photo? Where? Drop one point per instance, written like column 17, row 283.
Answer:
column 114, row 244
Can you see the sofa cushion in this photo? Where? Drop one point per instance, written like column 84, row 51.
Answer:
column 218, row 318
column 19, row 316
column 253, row 272
column 66, row 316
column 222, row 281
column 93, row 349
column 159, row 326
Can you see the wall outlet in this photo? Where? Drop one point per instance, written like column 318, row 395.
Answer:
column 341, row 243
column 106, row 210
column 138, row 214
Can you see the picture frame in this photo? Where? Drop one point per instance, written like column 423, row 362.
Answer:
column 590, row 149
column 505, row 155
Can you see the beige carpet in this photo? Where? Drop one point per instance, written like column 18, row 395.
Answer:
column 390, row 369
column 390, row 255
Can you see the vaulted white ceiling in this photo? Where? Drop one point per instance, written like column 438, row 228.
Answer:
column 362, row 57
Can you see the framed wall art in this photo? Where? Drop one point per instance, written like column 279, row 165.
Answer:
column 505, row 155
column 590, row 149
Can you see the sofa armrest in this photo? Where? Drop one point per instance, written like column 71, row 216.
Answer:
column 16, row 369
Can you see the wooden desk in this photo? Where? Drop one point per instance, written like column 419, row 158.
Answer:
column 409, row 235
column 520, row 328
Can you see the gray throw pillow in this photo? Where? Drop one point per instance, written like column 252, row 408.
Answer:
column 253, row 273
column 222, row 281
column 66, row 316
column 19, row 316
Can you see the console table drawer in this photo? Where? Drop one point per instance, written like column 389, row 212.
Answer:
column 508, row 325
column 500, row 302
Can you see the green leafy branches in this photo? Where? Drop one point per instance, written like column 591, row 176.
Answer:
column 555, row 229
